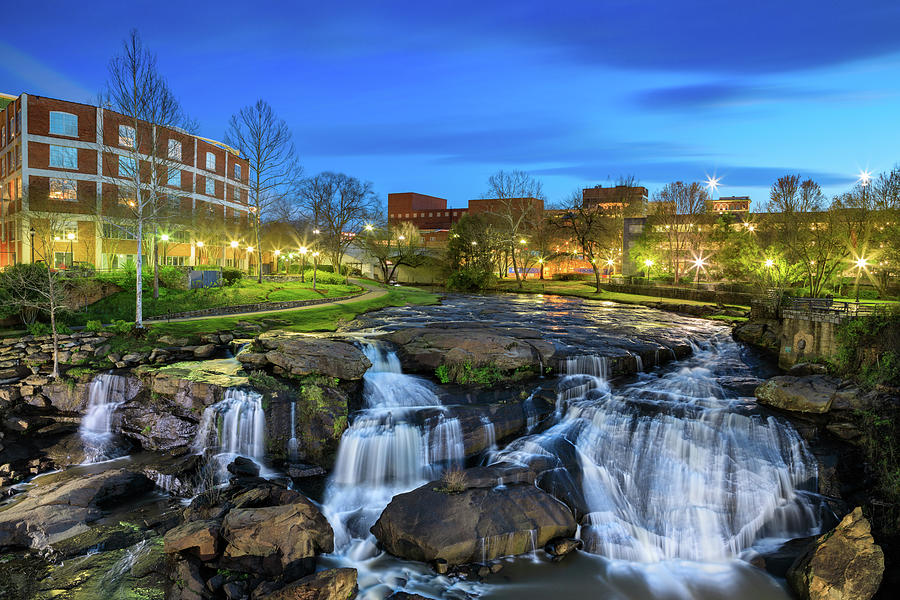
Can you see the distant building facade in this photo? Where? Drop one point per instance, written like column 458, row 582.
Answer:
column 730, row 204
column 622, row 199
column 58, row 157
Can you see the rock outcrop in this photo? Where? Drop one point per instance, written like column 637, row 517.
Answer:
column 764, row 334
column 476, row 524
column 298, row 355
column 333, row 584
column 813, row 394
column 423, row 349
column 844, row 564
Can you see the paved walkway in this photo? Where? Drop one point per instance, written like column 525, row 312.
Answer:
column 371, row 294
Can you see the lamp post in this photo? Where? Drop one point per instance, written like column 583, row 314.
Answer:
column 32, row 245
column 303, row 251
column 769, row 264
column 249, row 252
column 164, row 238
column 199, row 253
column 276, row 254
column 699, row 263
column 860, row 265
column 71, row 237
column 315, row 267
column 647, row 263
column 234, row 245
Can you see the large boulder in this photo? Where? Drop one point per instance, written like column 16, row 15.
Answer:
column 844, row 564
column 814, row 394
column 423, row 349
column 333, row 584
column 298, row 355
column 60, row 508
column 764, row 334
column 276, row 539
column 479, row 523
column 200, row 538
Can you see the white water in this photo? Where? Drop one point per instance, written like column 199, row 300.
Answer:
column 97, row 431
column 236, row 426
column 672, row 469
column 292, row 442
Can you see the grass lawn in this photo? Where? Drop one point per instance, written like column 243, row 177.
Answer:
column 120, row 306
column 584, row 289
column 319, row 318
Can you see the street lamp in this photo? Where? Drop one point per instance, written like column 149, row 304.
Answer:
column 199, row 253
column 712, row 184
column 32, row 244
column 699, row 263
column 276, row 253
column 864, row 177
column 164, row 238
column 400, row 238
column 860, row 265
column 303, row 251
column 71, row 236
column 234, row 246
column 647, row 263
column 369, row 227
column 315, row 267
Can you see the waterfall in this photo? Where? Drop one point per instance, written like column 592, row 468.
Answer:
column 490, row 434
column 292, row 442
column 582, row 376
column 385, row 451
column 106, row 394
column 639, row 363
column 671, row 468
column 236, row 426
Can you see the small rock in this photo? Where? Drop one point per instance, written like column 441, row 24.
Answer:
column 560, row 547
column 205, row 351
column 440, row 566
column 233, row 590
column 496, row 567
column 484, row 571
column 243, row 467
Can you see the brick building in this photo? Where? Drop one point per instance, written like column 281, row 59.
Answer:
column 628, row 200
column 66, row 158
column 430, row 213
column 730, row 204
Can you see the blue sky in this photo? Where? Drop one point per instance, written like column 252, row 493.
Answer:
column 435, row 96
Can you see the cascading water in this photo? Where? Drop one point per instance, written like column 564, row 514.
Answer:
column 106, row 394
column 292, row 442
column 672, row 469
column 236, row 426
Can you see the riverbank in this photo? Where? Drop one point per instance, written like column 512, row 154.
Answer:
column 584, row 289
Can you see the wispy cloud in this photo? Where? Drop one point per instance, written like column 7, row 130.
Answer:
column 37, row 77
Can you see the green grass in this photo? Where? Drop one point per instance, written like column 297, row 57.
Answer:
column 320, row 318
column 121, row 304
column 584, row 289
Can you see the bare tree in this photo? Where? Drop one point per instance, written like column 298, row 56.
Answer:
column 809, row 231
column 138, row 161
column 339, row 207
column 393, row 246
column 677, row 212
column 593, row 226
column 265, row 141
column 519, row 204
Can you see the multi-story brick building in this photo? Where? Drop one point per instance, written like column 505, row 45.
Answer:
column 625, row 199
column 430, row 213
column 66, row 158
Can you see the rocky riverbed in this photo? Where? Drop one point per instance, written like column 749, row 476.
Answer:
column 418, row 449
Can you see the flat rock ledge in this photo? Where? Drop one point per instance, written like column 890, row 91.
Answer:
column 298, row 355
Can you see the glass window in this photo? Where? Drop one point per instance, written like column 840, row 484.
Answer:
column 210, row 187
column 237, row 171
column 62, row 260
column 127, row 166
column 62, row 123
column 126, row 136
column 63, row 189
column 175, row 177
column 63, row 157
column 210, row 161
column 126, row 198
column 174, row 149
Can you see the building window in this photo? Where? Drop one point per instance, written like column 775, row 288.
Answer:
column 210, row 161
column 126, row 198
column 62, row 260
column 62, row 123
column 175, row 177
column 237, row 171
column 63, row 189
column 119, row 232
column 126, row 136
column 63, row 157
column 127, row 166
column 174, row 149
column 210, row 187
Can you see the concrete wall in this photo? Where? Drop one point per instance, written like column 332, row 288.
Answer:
column 806, row 337
column 682, row 293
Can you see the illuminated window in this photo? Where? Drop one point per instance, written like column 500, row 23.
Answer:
column 63, row 189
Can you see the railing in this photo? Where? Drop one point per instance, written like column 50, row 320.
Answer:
column 836, row 307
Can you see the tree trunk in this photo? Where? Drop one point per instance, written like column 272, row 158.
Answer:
column 155, row 264
column 516, row 267
column 55, row 373
column 138, row 290
column 258, row 251
column 596, row 276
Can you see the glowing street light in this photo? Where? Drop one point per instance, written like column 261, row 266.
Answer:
column 234, row 244
column 860, row 265
column 474, row 243
column 164, row 237
column 864, row 177
column 712, row 183
column 369, row 227
column 769, row 263
column 199, row 244
column 249, row 248
column 316, row 231
column 647, row 263
column 401, row 237
column 523, row 241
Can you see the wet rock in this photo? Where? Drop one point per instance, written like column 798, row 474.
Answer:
column 441, row 566
column 59, row 509
column 560, row 547
column 805, row 369
column 423, row 349
column 476, row 524
column 406, row 596
column 844, row 564
column 276, row 539
column 199, row 538
column 234, row 590
column 764, row 334
column 297, row 354
column 205, row 351
column 67, row 398
column 243, row 467
column 189, row 583
column 333, row 584
column 778, row 561
column 813, row 394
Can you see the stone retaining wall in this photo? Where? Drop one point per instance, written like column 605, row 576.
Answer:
column 22, row 356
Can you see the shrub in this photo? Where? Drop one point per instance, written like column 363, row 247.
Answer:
column 323, row 277
column 442, row 373
column 453, row 481
column 570, row 277
column 37, row 328
column 231, row 275
column 172, row 278
column 470, row 279
column 121, row 327
column 94, row 326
